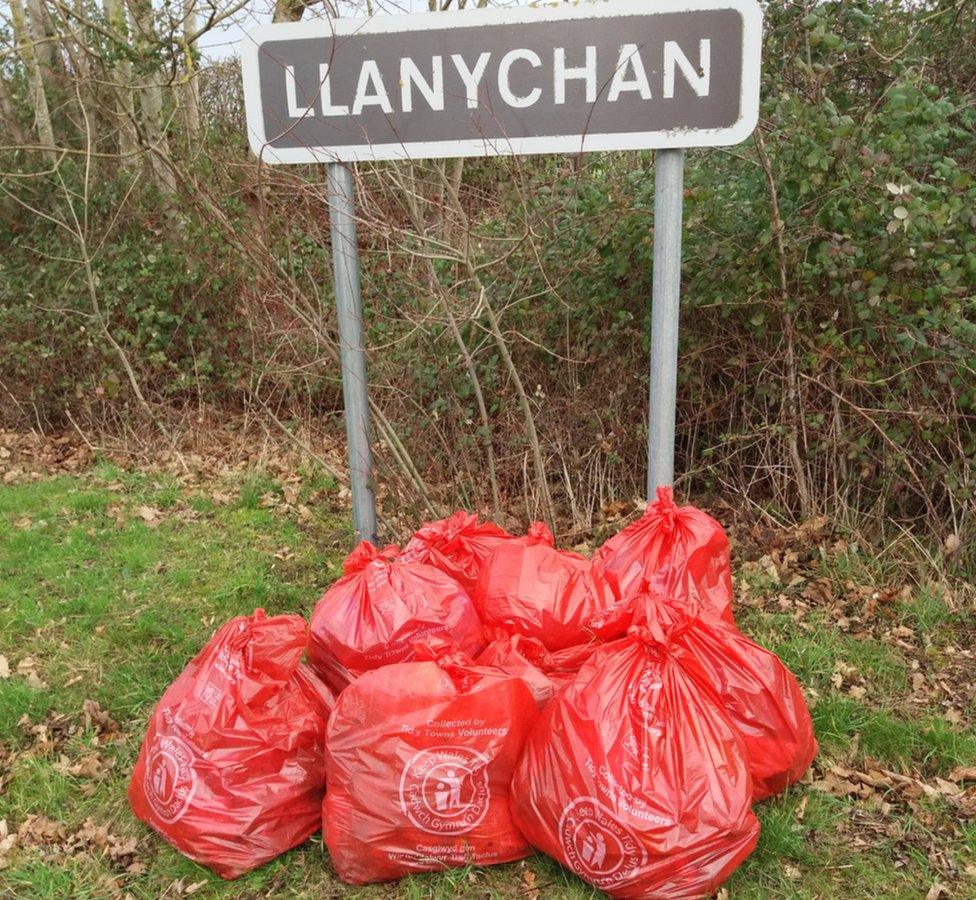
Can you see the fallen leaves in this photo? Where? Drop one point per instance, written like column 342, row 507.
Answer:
column 4, row 666
column 530, row 889
column 29, row 456
column 8, row 840
column 962, row 774
column 91, row 765
column 150, row 515
column 847, row 679
column 27, row 668
column 98, row 720
column 74, row 742
column 615, row 510
column 54, row 841
column 875, row 779
column 835, row 782
column 291, row 489
column 50, row 734
column 180, row 888
column 965, row 803
column 304, row 515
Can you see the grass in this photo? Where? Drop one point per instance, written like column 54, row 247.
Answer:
column 111, row 580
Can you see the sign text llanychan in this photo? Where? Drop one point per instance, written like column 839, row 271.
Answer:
column 426, row 81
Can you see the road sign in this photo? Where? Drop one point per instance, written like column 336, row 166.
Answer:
column 566, row 78
column 612, row 75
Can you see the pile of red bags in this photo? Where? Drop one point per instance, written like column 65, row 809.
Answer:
column 495, row 694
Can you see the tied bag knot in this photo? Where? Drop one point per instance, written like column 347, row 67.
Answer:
column 364, row 553
column 540, row 533
column 664, row 508
column 661, row 641
column 449, row 657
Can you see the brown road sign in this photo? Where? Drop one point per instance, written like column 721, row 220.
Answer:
column 613, row 75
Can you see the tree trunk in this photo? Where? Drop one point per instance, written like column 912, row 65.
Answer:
column 122, row 88
column 191, row 87
column 151, row 97
column 289, row 10
column 42, row 115
column 74, row 41
column 43, row 32
column 8, row 115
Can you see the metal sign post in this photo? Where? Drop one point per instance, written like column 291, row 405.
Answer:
column 669, row 177
column 352, row 347
column 561, row 78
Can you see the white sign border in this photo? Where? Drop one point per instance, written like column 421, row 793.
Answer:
column 750, row 11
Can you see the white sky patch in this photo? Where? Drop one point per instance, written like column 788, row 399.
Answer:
column 223, row 41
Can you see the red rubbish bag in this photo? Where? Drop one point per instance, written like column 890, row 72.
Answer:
column 529, row 587
column 543, row 672
column 373, row 614
column 231, row 770
column 635, row 779
column 419, row 760
column 458, row 545
column 760, row 696
column 678, row 552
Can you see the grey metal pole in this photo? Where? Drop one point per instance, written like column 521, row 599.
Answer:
column 352, row 348
column 668, row 201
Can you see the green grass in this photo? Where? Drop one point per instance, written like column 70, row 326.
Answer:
column 814, row 652
column 928, row 611
column 111, row 609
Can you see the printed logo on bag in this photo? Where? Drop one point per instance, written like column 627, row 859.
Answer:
column 211, row 695
column 444, row 790
column 597, row 846
column 170, row 778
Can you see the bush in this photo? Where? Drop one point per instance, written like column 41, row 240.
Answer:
column 826, row 357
